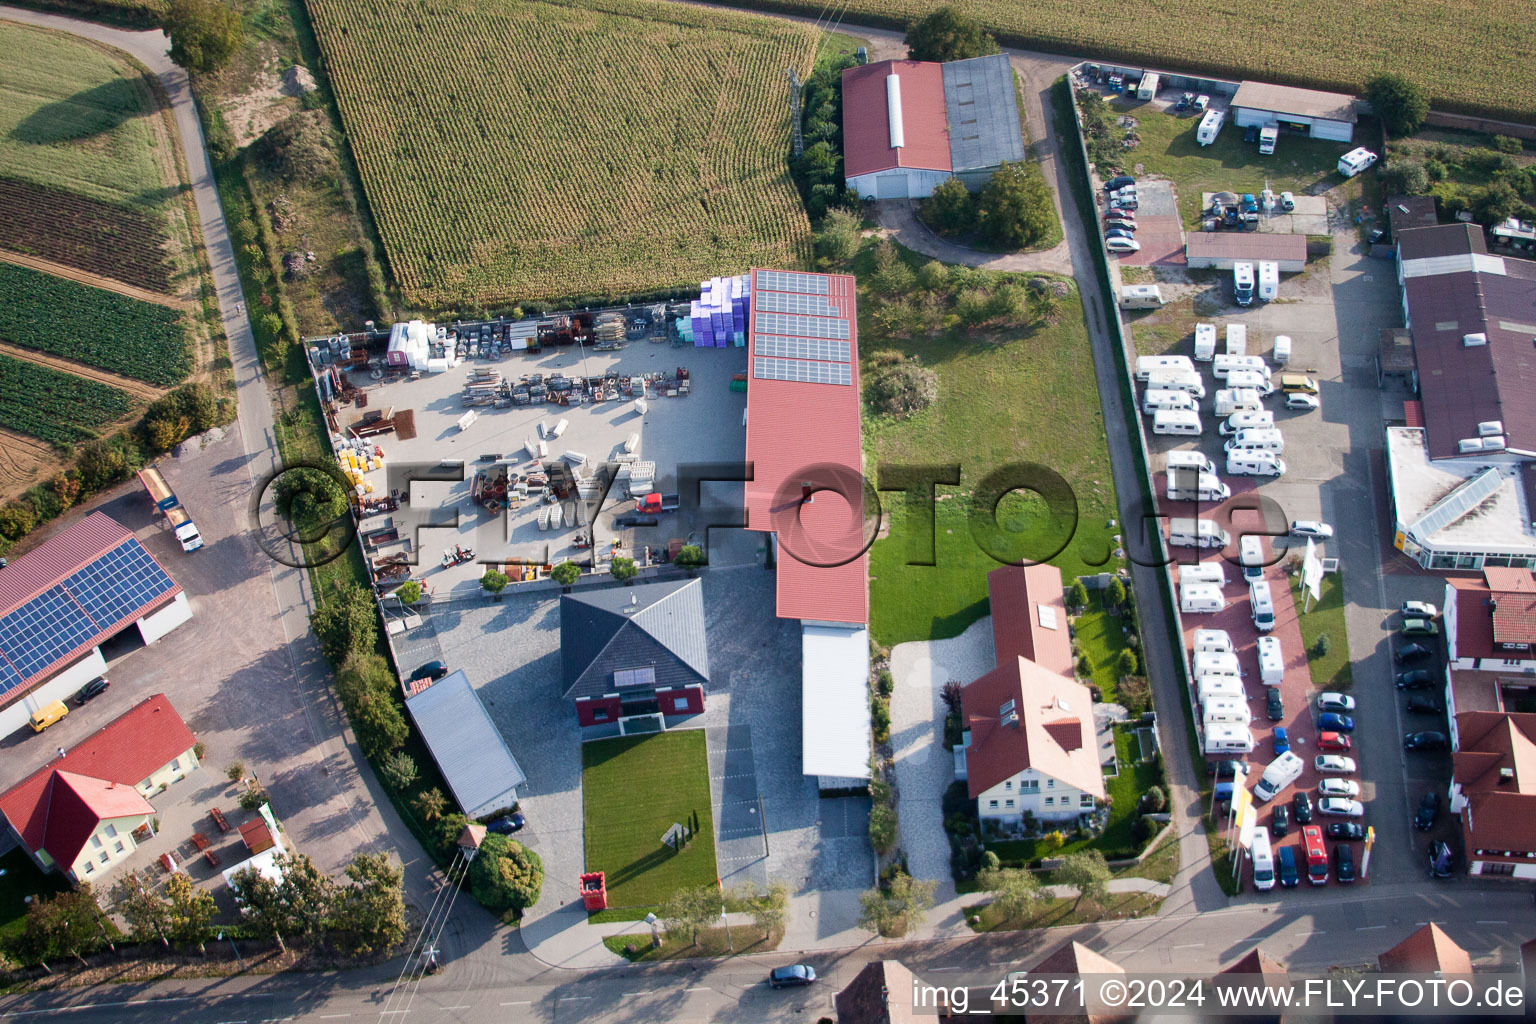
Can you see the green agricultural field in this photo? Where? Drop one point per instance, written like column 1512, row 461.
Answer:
column 560, row 148
column 138, row 339
column 635, row 788
column 53, row 406
column 1468, row 56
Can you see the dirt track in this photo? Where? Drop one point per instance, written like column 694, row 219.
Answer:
column 93, row 280
column 136, row 388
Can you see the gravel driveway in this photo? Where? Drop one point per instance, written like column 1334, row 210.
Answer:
column 924, row 769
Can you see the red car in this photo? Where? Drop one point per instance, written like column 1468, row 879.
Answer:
column 1332, row 741
column 1122, row 214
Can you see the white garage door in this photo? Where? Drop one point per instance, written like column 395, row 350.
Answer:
column 891, row 186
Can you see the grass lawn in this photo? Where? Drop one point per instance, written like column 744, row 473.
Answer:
column 743, row 938
column 1053, row 912
column 1003, row 399
column 1125, row 790
column 1100, row 637
column 1159, row 332
column 21, row 879
column 634, row 788
column 1160, row 865
column 1331, row 671
column 1168, row 149
column 1221, row 857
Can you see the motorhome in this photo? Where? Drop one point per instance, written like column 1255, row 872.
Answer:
column 1268, row 136
column 1178, row 380
column 1157, row 399
column 1263, row 858
column 1265, row 439
column 1196, row 461
column 1355, row 161
column 1210, row 127
column 1223, row 365
column 1271, row 661
column 1259, row 382
column 1278, row 774
column 1189, row 485
column 1205, row 342
column 1263, row 606
column 1146, row 366
column 1231, row 400
column 1246, row 420
column 1201, row 599
column 1250, row 556
column 1242, row 282
column 1282, row 353
column 1182, row 422
column 1203, row 572
column 1269, row 280
column 1228, row 739
column 1201, row 533
column 1237, row 339
column 1248, row 462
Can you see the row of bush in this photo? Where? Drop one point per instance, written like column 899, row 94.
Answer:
column 1014, row 210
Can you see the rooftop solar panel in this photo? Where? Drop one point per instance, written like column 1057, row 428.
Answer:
column 799, row 326
column 794, row 302
column 119, row 583
column 802, row 371
column 44, row 630
column 789, row 281
column 9, row 680
column 802, row 348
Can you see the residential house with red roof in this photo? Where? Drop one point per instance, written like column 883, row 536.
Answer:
column 1427, row 951
column 909, row 126
column 1490, row 632
column 1076, row 959
column 86, row 812
column 60, row 601
column 886, row 992
column 1493, row 791
column 1029, row 745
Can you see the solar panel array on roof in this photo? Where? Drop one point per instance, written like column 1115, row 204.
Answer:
column 800, row 326
column 794, row 302
column 802, row 371
column 1458, row 503
column 78, row 610
column 802, row 348
column 789, row 281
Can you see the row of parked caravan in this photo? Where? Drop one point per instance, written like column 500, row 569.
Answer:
column 1220, row 691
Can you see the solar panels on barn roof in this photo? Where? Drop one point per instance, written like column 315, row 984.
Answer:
column 69, row 594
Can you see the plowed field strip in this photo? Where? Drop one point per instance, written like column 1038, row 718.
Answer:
column 136, row 388
column 106, row 284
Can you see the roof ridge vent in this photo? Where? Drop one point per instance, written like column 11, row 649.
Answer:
column 893, row 110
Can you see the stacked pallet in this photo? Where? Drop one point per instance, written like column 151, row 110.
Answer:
column 482, row 386
column 718, row 318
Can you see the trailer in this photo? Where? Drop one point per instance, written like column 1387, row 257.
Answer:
column 168, row 505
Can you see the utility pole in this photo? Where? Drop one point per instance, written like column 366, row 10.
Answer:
column 798, row 145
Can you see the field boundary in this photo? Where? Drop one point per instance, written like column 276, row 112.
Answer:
column 136, row 388
column 106, row 284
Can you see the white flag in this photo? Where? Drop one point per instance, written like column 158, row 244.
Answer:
column 1312, row 571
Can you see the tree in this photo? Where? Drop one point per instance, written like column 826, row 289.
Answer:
column 1400, row 104
column 372, row 908
column 234, row 771
column 495, row 581
column 64, row 924
column 1155, row 799
column 950, row 209
column 1015, row 209
column 1127, row 662
column 431, row 804
column 1051, row 842
column 399, row 769
column 690, row 910
column 973, row 307
column 1404, row 178
column 191, row 910
column 1087, row 872
column 1008, row 304
column 1494, row 202
column 623, row 569
column 378, row 722
column 768, row 911
column 1321, row 645
column 839, row 238
column 952, row 694
column 882, row 827
column 900, row 906
column 933, row 276
column 892, row 276
column 1013, row 890
column 204, row 34
column 100, row 463
column 309, row 895
column 409, row 592
column 946, row 35
column 1114, row 594
column 347, row 624
column 266, row 911
column 566, row 573
column 17, row 520
column 147, row 913
column 1077, row 595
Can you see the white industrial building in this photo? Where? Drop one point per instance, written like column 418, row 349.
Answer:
column 1310, row 112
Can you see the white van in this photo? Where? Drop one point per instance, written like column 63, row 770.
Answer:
column 1282, row 353
column 1237, row 339
column 1228, row 739
column 1248, row 462
column 1242, row 283
column 1259, row 382
column 1263, row 439
column 1250, row 555
column 1223, row 365
column 1140, row 296
column 1205, row 342
column 1263, row 857
column 1218, row 663
column 1178, row 380
column 1210, row 127
column 1220, row 688
column 1268, row 136
column 1201, row 599
column 1185, row 422
column 1269, row 280
column 1355, row 161
column 1203, row 572
column 1196, row 461
column 1187, row 485
column 1217, row 641
column 1157, row 399
column 1146, row 366
column 1263, row 603
column 1197, row 533
column 1226, row 711
column 1247, row 420
column 1231, row 400
column 1271, row 661
column 1278, row 774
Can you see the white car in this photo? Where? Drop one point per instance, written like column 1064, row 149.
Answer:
column 1123, row 191
column 1341, row 807
column 1118, row 244
column 1302, row 403
column 1287, row 202
column 1335, row 702
column 1311, row 528
column 1339, row 787
column 1419, row 609
column 1336, row 763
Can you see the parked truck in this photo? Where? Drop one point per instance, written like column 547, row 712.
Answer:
column 653, row 503
column 165, row 500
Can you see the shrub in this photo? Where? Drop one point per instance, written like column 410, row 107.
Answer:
column 1404, row 177
column 399, row 769
column 494, row 581
column 690, row 555
column 235, row 771
column 952, row 696
column 1321, row 645
column 1154, row 799
column 933, row 276
column 882, row 827
column 409, row 592
column 1506, row 144
column 901, row 390
column 623, row 569
column 840, row 235
column 990, row 861
column 880, row 714
column 950, row 210
column 1134, row 694
column 1127, row 663
column 1143, row 828
column 1084, row 665
column 505, row 875
column 253, row 798
column 1435, row 170
column 884, row 684
column 892, row 276
column 16, row 520
column 1051, row 842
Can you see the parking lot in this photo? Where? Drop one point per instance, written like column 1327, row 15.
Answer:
column 1158, row 229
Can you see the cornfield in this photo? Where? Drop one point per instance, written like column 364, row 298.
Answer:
column 539, row 150
column 56, row 407
column 1471, row 57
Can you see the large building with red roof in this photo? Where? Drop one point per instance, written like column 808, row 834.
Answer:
column 61, row 600
column 85, row 812
column 807, row 494
column 909, row 125
column 1490, row 634
column 1493, row 791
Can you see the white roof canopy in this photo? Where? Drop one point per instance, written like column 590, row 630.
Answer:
column 834, row 698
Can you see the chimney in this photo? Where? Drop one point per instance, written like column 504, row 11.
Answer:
column 1506, row 776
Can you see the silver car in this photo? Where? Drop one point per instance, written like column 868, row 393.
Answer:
column 1341, row 807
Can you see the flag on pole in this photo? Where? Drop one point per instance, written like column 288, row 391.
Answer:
column 1312, row 572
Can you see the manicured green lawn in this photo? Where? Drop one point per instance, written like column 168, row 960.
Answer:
column 21, row 879
column 1025, row 395
column 1330, row 671
column 1100, row 636
column 634, row 788
column 1168, row 149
